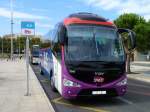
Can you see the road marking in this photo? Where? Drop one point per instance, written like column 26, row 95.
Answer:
column 44, row 81
column 143, row 79
column 141, row 93
column 125, row 100
column 131, row 84
column 57, row 101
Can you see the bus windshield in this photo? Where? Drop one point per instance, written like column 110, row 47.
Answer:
column 35, row 50
column 35, row 53
column 93, row 43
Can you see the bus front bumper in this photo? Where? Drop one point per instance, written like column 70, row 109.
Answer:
column 35, row 60
column 111, row 90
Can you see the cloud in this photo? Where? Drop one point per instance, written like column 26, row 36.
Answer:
column 147, row 17
column 39, row 10
column 50, row 26
column 141, row 7
column 20, row 15
column 104, row 4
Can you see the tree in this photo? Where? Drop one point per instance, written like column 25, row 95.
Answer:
column 45, row 44
column 15, row 47
column 1, row 44
column 128, row 21
column 143, row 37
column 20, row 42
column 6, row 42
column 35, row 41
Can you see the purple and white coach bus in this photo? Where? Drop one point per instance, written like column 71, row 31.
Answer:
column 87, row 57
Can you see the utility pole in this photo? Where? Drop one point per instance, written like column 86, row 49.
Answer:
column 27, row 64
column 12, row 22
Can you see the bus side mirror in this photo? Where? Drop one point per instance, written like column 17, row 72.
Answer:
column 131, row 38
column 62, row 34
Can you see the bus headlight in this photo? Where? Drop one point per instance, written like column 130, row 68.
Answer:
column 69, row 83
column 123, row 82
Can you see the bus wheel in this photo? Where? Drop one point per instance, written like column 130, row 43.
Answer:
column 52, row 84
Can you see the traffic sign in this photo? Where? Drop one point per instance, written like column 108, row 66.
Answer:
column 28, row 28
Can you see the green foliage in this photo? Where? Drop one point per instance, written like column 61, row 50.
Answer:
column 7, row 44
column 46, row 44
column 35, row 41
column 140, row 26
column 129, row 20
column 143, row 37
column 21, row 40
column 20, row 43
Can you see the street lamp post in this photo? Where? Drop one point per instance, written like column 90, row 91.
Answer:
column 12, row 22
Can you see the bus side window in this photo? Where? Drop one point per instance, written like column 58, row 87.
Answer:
column 57, row 47
column 57, row 51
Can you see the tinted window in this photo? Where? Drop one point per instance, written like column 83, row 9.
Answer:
column 93, row 43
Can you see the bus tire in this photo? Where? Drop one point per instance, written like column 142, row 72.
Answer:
column 52, row 82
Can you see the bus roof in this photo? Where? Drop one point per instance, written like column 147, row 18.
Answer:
column 86, row 18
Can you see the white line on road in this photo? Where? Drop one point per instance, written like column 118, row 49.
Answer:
column 125, row 100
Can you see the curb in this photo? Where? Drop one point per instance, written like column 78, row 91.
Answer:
column 44, row 94
column 143, row 79
column 140, row 67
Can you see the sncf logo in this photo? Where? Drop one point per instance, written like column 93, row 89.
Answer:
column 98, row 79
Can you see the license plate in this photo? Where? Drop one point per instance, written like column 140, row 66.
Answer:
column 98, row 92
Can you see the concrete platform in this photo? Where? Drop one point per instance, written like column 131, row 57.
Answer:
column 13, row 89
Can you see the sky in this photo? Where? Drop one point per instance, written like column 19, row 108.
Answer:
column 46, row 13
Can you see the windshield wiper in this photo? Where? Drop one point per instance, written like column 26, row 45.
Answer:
column 96, row 44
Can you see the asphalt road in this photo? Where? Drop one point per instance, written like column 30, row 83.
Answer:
column 137, row 99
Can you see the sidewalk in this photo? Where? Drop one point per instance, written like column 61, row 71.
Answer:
column 13, row 89
column 141, row 71
column 141, row 63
